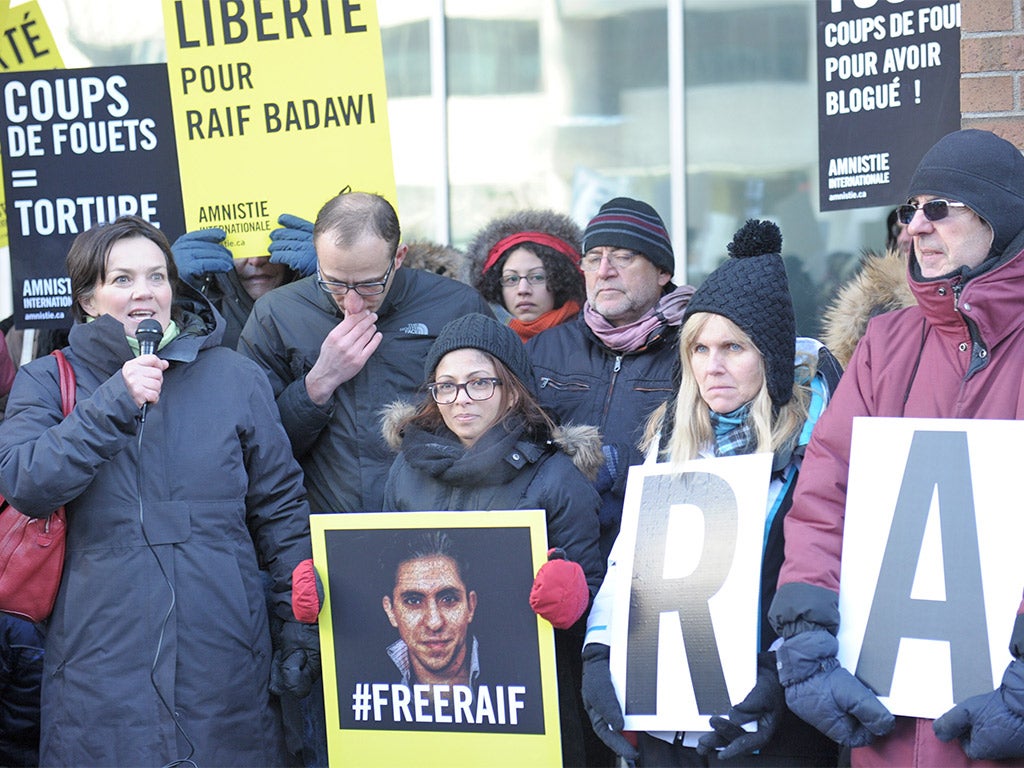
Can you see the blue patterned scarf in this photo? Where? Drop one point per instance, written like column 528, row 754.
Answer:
column 734, row 434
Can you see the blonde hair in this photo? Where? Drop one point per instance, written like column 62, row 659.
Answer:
column 691, row 423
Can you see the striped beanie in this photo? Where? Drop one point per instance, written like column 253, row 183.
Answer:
column 627, row 223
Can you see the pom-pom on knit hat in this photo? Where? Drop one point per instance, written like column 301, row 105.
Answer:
column 982, row 170
column 632, row 224
column 752, row 290
column 476, row 331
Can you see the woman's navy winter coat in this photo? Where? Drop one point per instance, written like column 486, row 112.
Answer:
column 161, row 607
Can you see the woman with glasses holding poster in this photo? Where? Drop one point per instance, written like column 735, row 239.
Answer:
column 480, row 441
column 746, row 386
column 527, row 266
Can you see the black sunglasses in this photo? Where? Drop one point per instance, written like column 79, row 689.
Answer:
column 934, row 210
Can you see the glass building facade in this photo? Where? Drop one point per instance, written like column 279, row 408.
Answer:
column 704, row 108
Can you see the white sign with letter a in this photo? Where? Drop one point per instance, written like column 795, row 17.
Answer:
column 685, row 615
column 932, row 569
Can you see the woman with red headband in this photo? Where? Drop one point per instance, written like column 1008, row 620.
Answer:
column 527, row 266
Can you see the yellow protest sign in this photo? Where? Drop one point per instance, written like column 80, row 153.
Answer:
column 431, row 653
column 26, row 43
column 277, row 107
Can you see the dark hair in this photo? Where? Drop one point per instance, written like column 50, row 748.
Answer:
column 351, row 215
column 539, row 426
column 407, row 546
column 892, row 230
column 564, row 281
column 86, row 261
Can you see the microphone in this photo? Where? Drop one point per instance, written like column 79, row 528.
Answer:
column 148, row 334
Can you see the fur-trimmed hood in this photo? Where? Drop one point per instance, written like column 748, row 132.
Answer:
column 549, row 222
column 581, row 443
column 439, row 259
column 879, row 286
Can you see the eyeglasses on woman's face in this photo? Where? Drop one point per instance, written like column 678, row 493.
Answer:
column 447, row 392
column 513, row 279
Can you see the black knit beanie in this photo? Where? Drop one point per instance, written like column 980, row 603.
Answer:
column 627, row 223
column 476, row 331
column 982, row 170
column 751, row 289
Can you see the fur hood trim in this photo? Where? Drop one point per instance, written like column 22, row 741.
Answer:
column 549, row 222
column 879, row 286
column 581, row 443
column 391, row 415
column 439, row 259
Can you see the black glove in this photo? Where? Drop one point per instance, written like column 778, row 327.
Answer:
column 990, row 726
column 601, row 703
column 826, row 695
column 766, row 704
column 296, row 664
column 292, row 244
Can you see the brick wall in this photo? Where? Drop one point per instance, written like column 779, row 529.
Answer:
column 992, row 67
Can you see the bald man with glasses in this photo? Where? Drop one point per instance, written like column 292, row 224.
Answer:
column 341, row 343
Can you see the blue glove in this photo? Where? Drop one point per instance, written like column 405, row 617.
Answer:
column 826, row 695
column 292, row 244
column 609, row 469
column 201, row 252
column 766, row 704
column 296, row 663
column 601, row 703
column 990, row 726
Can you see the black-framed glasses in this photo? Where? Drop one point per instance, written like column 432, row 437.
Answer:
column 934, row 210
column 447, row 392
column 620, row 259
column 373, row 288
column 513, row 279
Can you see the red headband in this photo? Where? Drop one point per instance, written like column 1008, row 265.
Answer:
column 542, row 238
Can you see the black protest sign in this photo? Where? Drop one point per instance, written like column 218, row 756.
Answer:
column 81, row 147
column 888, row 88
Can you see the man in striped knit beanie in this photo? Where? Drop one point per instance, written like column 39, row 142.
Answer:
column 612, row 365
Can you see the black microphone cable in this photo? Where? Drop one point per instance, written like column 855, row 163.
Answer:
column 148, row 334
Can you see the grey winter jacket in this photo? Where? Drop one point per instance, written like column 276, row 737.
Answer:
column 170, row 583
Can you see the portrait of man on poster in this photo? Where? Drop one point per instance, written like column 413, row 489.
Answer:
column 432, row 607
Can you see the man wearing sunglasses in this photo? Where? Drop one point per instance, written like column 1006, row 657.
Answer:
column 958, row 354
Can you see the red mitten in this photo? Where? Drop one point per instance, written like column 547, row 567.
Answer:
column 307, row 593
column 560, row 593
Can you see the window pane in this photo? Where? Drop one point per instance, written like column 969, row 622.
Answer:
column 752, row 147
column 560, row 106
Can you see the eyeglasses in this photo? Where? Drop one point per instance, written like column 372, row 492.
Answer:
column 512, row 279
column 591, row 262
column 934, row 210
column 374, row 288
column 447, row 392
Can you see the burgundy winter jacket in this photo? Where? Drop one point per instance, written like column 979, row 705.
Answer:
column 958, row 354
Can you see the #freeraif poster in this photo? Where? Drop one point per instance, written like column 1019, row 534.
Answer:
column 431, row 653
